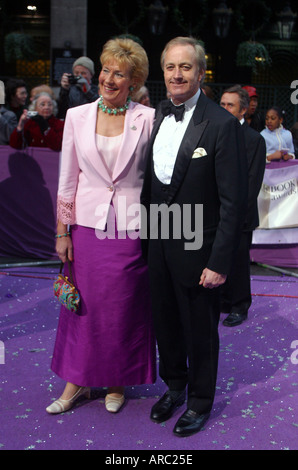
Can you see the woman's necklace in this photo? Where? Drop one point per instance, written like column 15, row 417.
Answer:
column 113, row 111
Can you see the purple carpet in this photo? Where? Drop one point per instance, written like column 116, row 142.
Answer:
column 257, row 391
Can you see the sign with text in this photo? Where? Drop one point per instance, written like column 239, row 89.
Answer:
column 278, row 198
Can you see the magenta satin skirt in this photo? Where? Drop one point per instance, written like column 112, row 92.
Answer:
column 110, row 341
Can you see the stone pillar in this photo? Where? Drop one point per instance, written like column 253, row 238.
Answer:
column 68, row 35
column 69, row 23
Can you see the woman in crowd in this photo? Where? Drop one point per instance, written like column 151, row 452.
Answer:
column 39, row 89
column 16, row 96
column 42, row 129
column 109, row 343
column 279, row 141
column 142, row 96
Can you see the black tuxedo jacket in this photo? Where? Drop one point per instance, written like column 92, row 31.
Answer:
column 217, row 180
column 256, row 161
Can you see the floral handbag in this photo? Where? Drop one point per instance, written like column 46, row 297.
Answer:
column 66, row 292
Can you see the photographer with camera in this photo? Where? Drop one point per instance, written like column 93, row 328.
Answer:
column 38, row 126
column 78, row 88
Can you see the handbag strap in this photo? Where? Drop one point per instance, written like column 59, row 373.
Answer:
column 69, row 268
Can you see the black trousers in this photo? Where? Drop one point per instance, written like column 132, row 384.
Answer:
column 186, row 326
column 236, row 291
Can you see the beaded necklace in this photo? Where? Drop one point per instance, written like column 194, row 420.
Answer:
column 113, row 111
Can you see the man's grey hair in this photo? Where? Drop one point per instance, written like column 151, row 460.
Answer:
column 243, row 95
column 187, row 41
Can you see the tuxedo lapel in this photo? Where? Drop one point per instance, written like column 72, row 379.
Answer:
column 156, row 125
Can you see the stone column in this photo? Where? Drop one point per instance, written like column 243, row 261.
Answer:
column 69, row 23
column 68, row 35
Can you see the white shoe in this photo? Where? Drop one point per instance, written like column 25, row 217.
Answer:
column 60, row 405
column 113, row 404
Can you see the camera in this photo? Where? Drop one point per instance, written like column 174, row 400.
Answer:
column 73, row 79
column 31, row 114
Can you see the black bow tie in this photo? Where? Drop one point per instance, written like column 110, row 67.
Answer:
column 169, row 108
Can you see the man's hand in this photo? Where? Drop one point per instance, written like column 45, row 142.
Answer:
column 83, row 84
column 210, row 279
column 65, row 81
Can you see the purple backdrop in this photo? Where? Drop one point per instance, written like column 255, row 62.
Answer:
column 28, row 189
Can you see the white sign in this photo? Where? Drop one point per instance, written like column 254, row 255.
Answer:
column 2, row 93
column 278, row 198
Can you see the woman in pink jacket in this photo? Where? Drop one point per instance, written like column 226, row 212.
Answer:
column 109, row 343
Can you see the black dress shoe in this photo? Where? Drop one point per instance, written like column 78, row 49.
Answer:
column 165, row 407
column 190, row 423
column 234, row 319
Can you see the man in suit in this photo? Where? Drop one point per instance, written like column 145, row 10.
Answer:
column 194, row 162
column 236, row 292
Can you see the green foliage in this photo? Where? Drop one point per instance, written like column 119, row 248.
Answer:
column 251, row 16
column 126, row 16
column 190, row 16
column 19, row 46
column 250, row 54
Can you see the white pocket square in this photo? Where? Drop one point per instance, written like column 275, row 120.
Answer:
column 199, row 152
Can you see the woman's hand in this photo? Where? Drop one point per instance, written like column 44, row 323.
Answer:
column 63, row 243
column 64, row 248
column 277, row 155
column 286, row 156
column 24, row 117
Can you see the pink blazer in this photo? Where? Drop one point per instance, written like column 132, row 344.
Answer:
column 86, row 189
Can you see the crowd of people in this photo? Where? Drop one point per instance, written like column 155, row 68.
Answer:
column 189, row 152
column 38, row 120
column 80, row 87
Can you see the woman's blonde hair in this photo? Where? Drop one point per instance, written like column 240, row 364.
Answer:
column 129, row 53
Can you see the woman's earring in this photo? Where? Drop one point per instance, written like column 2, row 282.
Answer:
column 131, row 88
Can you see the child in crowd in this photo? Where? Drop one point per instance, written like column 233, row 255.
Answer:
column 279, row 141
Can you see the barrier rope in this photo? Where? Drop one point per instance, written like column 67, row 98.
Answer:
column 277, row 295
column 27, row 275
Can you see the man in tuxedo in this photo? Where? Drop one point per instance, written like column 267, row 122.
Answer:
column 193, row 163
column 236, row 292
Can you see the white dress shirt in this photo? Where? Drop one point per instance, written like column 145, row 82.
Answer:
column 168, row 141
